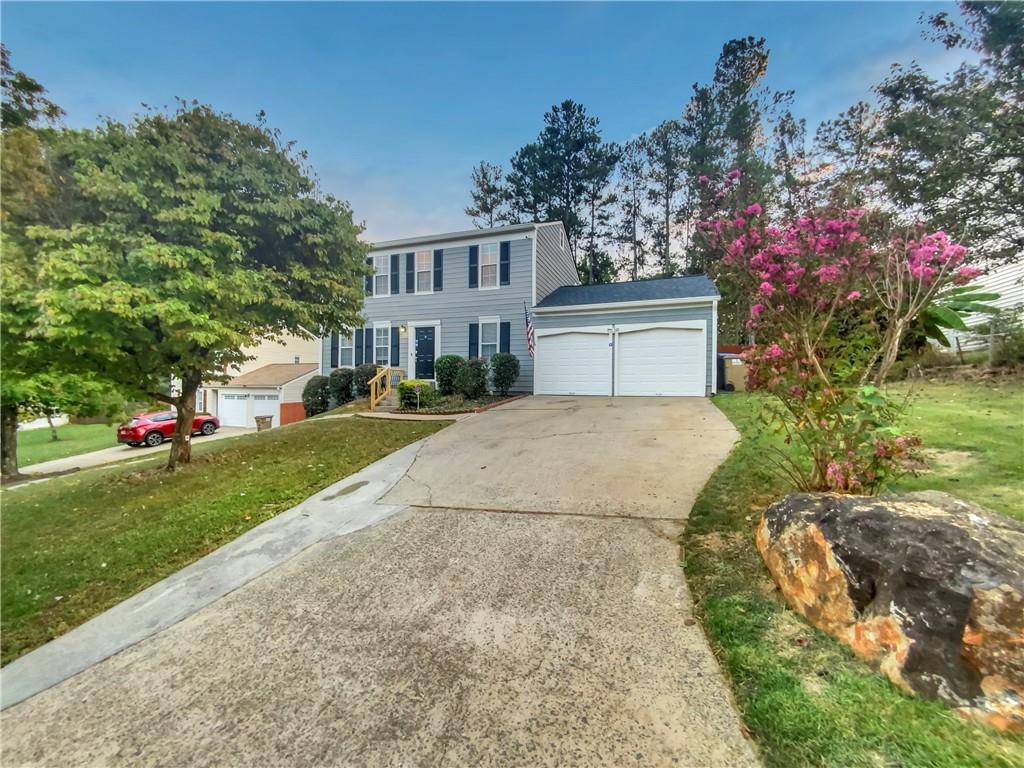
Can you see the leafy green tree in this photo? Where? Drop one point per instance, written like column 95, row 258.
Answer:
column 792, row 165
column 200, row 235
column 25, row 102
column 488, row 195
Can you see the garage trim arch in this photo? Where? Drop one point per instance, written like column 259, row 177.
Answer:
column 646, row 338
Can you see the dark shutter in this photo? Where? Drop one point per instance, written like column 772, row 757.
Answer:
column 505, row 263
column 505, row 337
column 369, row 277
column 395, row 287
column 334, row 350
column 474, row 260
column 410, row 273
column 439, row 269
column 368, row 352
column 394, row 346
column 358, row 351
column 474, row 340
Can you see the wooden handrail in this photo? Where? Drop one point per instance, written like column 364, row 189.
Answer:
column 382, row 384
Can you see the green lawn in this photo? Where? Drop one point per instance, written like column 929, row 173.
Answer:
column 73, row 546
column 807, row 700
column 36, row 445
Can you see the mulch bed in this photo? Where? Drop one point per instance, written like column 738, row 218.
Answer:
column 453, row 404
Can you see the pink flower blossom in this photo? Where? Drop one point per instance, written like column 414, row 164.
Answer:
column 735, row 173
column 756, row 310
column 964, row 275
column 774, row 351
column 767, row 288
column 703, row 180
column 753, row 210
column 739, row 222
column 853, row 296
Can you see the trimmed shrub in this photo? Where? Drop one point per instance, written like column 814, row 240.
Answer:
column 341, row 385
column 316, row 395
column 446, row 371
column 471, row 381
column 504, row 372
column 407, row 393
column 361, row 378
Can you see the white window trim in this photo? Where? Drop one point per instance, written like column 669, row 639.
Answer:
column 410, row 351
column 496, row 320
column 386, row 272
column 480, row 267
column 377, row 324
column 352, row 346
column 416, row 271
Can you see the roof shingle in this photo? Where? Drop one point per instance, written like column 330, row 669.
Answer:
column 687, row 287
column 273, row 375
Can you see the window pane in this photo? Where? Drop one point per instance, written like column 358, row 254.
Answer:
column 424, row 261
column 486, row 350
column 489, row 333
column 383, row 335
column 380, row 263
column 488, row 276
column 423, row 282
column 489, row 254
column 346, row 357
column 381, row 288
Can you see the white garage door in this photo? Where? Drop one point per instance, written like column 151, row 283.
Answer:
column 232, row 409
column 266, row 405
column 652, row 359
column 576, row 362
column 661, row 361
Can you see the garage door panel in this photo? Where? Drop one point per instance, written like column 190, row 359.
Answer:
column 232, row 409
column 661, row 361
column 573, row 363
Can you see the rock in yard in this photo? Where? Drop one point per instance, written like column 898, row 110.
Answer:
column 927, row 587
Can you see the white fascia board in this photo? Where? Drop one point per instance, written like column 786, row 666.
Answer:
column 624, row 306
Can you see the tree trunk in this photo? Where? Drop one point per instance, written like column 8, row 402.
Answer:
column 181, row 446
column 53, row 429
column 9, row 441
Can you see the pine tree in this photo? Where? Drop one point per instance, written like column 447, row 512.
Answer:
column 489, row 196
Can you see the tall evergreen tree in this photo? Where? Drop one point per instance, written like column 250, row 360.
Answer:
column 488, row 196
column 631, row 187
column 666, row 163
column 598, row 200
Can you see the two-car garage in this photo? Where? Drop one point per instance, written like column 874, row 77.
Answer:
column 646, row 338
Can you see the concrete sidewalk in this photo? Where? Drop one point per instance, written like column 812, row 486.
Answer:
column 122, row 453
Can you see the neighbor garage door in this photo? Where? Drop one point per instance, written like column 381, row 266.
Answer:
column 655, row 359
column 573, row 362
column 232, row 409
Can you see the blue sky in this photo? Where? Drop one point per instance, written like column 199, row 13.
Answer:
column 396, row 102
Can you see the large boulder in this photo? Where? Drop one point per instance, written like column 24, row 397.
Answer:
column 927, row 587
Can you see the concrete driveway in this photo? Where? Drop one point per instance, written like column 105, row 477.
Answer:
column 522, row 606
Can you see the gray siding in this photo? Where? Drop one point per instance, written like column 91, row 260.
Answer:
column 458, row 305
column 697, row 312
column 555, row 266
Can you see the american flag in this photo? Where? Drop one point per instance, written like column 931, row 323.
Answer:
column 529, row 330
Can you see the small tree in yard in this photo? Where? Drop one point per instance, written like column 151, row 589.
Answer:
column 446, row 369
column 830, row 309
column 193, row 236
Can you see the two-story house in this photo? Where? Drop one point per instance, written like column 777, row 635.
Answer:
column 468, row 293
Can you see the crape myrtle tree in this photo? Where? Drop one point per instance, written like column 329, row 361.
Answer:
column 196, row 235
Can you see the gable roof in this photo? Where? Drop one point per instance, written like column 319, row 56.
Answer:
column 465, row 234
column 273, row 375
column 656, row 289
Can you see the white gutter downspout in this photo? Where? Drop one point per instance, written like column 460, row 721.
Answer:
column 714, row 347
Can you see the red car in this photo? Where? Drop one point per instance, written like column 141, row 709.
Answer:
column 153, row 428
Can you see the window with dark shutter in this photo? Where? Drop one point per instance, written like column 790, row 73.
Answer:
column 359, row 346
column 474, row 340
column 334, row 350
column 394, row 347
column 369, row 278
column 395, row 287
column 474, row 261
column 410, row 273
column 506, row 262
column 438, row 269
column 368, row 345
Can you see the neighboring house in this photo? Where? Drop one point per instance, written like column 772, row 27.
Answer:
column 1006, row 280
column 467, row 293
column 270, row 384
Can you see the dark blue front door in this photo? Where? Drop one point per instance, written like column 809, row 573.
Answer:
column 425, row 352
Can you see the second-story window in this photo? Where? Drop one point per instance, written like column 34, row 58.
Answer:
column 489, row 265
column 424, row 271
column 381, row 278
